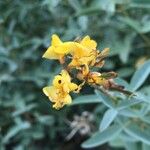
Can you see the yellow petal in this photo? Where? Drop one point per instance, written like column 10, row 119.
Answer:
column 58, row 81
column 57, row 105
column 68, row 99
column 87, row 42
column 50, row 54
column 64, row 48
column 66, row 88
column 65, row 75
column 73, row 86
column 50, row 92
column 55, row 40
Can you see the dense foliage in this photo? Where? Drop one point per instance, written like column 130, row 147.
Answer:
column 27, row 118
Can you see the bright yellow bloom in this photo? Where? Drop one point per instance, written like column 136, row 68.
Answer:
column 63, row 82
column 57, row 97
column 84, row 54
column 58, row 93
column 58, row 49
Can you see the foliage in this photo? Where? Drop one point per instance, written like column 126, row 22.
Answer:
column 27, row 120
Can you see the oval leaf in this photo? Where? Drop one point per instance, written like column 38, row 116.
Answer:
column 106, row 100
column 140, row 76
column 88, row 99
column 128, row 102
column 107, row 119
column 138, row 133
column 100, row 138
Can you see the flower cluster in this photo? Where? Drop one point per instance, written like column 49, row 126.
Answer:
column 78, row 58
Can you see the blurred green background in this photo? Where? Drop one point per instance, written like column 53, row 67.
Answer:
column 27, row 120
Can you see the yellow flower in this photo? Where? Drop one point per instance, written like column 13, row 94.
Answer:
column 63, row 82
column 57, row 97
column 88, row 43
column 58, row 49
column 84, row 54
column 58, row 93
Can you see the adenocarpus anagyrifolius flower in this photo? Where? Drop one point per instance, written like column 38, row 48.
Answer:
column 58, row 93
column 58, row 49
column 81, row 56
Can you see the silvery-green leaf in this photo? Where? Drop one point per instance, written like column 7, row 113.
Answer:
column 87, row 99
column 100, row 138
column 140, row 76
column 107, row 119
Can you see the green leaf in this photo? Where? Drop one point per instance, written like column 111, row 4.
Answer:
column 126, row 47
column 106, row 100
column 46, row 119
column 138, row 133
column 140, row 4
column 107, row 119
column 140, row 76
column 131, row 145
column 128, row 102
column 145, row 146
column 100, row 138
column 88, row 99
column 121, row 82
column 75, row 4
column 15, row 130
column 23, row 110
column 128, row 112
column 116, row 142
column 136, row 25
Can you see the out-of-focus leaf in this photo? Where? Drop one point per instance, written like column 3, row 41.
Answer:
column 116, row 142
column 24, row 109
column 83, row 22
column 47, row 120
column 107, row 5
column 125, row 72
column 140, row 4
column 138, row 133
column 88, row 99
column 107, row 119
column 106, row 100
column 136, row 25
column 131, row 145
column 15, row 130
column 145, row 147
column 125, row 47
column 100, row 138
column 140, row 76
column 128, row 112
column 122, row 82
column 75, row 4
column 128, row 102
column 127, row 138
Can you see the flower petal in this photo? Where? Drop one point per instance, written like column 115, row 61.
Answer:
column 87, row 42
column 55, row 40
column 50, row 92
column 50, row 54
